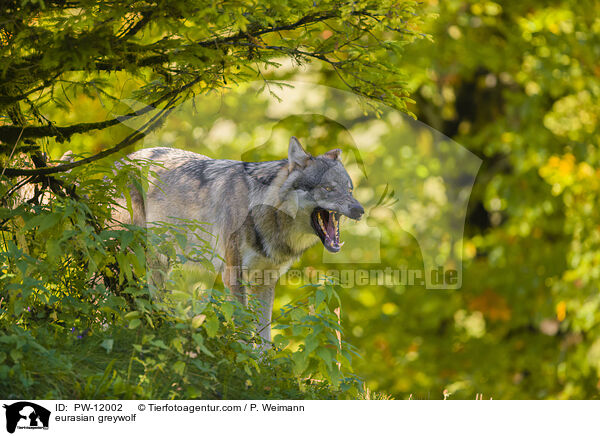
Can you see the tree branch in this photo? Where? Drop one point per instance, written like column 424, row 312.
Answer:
column 153, row 123
column 11, row 133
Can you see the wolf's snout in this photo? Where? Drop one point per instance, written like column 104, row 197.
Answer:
column 356, row 211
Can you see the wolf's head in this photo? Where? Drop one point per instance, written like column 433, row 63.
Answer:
column 324, row 189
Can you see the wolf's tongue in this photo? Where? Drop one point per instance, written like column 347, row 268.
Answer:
column 332, row 233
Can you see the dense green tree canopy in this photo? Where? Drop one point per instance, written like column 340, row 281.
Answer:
column 52, row 51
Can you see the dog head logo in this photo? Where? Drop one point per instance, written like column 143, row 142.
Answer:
column 26, row 415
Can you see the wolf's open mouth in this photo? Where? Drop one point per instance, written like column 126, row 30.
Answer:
column 327, row 227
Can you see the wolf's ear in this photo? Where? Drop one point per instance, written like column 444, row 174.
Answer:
column 333, row 154
column 296, row 154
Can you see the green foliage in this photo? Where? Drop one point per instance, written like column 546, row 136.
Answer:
column 316, row 332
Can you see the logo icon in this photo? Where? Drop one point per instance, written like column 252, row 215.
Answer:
column 26, row 415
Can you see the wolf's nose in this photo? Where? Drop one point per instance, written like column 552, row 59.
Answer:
column 356, row 211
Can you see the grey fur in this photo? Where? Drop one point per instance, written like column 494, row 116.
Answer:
column 260, row 212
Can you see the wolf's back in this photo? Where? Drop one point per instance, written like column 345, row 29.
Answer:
column 155, row 163
column 186, row 185
column 166, row 158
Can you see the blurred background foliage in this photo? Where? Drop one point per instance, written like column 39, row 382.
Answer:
column 517, row 85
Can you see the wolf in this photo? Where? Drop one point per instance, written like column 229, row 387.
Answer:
column 263, row 215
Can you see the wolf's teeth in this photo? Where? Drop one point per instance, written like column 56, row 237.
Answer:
column 321, row 224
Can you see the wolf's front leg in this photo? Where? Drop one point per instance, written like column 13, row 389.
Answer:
column 232, row 279
column 232, row 273
column 265, row 295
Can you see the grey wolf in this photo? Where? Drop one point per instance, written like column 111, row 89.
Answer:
column 264, row 214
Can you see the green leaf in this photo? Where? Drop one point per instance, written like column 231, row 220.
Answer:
column 132, row 315
column 198, row 320
column 297, row 313
column 311, row 343
column 135, row 323
column 177, row 343
column 319, row 298
column 199, row 340
column 160, row 344
column 326, row 355
column 179, row 367
column 227, row 308
column 300, row 360
column 107, row 344
column 211, row 325
column 16, row 355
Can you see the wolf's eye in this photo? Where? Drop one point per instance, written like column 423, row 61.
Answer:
column 328, row 188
